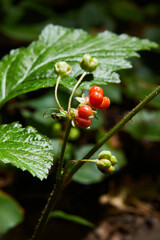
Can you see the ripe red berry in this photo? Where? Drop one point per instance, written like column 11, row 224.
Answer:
column 83, row 122
column 85, row 111
column 95, row 99
column 105, row 103
column 96, row 89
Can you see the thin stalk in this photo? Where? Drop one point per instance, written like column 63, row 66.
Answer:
column 115, row 129
column 73, row 91
column 56, row 96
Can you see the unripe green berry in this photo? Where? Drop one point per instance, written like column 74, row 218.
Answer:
column 109, row 170
column 62, row 68
column 113, row 160
column 74, row 134
column 57, row 127
column 103, row 165
column 105, row 155
column 88, row 63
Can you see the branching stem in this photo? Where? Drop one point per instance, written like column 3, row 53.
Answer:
column 115, row 129
column 65, row 178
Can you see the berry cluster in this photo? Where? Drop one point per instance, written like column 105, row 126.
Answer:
column 96, row 99
column 106, row 161
column 86, row 110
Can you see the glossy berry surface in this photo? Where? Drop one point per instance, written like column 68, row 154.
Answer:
column 83, row 122
column 105, row 103
column 95, row 89
column 95, row 99
column 85, row 111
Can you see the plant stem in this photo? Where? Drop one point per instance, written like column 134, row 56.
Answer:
column 54, row 195
column 64, row 146
column 78, row 82
column 128, row 117
column 57, row 189
column 56, row 89
column 65, row 178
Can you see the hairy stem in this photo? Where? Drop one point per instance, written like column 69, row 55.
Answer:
column 73, row 91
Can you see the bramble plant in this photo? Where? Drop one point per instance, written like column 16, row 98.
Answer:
column 59, row 57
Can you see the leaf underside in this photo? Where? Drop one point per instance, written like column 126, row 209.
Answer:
column 32, row 68
column 26, row 149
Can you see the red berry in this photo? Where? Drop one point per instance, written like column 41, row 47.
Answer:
column 95, row 89
column 95, row 99
column 85, row 111
column 83, row 122
column 105, row 103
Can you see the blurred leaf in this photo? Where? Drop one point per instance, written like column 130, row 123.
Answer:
column 47, row 100
column 127, row 10
column 26, row 149
column 70, row 217
column 21, row 32
column 36, row 119
column 11, row 213
column 88, row 173
column 140, row 92
column 153, row 32
column 145, row 125
column 98, row 121
column 29, row 69
column 57, row 145
column 114, row 92
column 138, row 84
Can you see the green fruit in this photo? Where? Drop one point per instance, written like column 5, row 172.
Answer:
column 88, row 63
column 109, row 170
column 57, row 127
column 113, row 160
column 105, row 155
column 103, row 165
column 74, row 134
column 62, row 68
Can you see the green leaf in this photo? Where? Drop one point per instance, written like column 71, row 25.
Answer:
column 11, row 213
column 25, row 70
column 26, row 149
column 145, row 125
column 70, row 217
